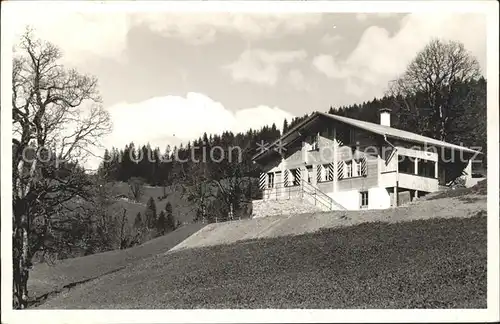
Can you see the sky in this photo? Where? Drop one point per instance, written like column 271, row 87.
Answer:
column 167, row 77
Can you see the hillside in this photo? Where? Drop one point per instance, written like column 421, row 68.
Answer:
column 453, row 204
column 48, row 279
column 181, row 208
column 438, row 263
column 429, row 254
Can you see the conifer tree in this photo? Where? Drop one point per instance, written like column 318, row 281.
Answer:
column 161, row 223
column 285, row 126
column 138, row 221
column 170, row 220
column 150, row 213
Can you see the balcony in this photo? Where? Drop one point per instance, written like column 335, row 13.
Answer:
column 409, row 181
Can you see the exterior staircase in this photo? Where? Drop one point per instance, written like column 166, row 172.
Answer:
column 302, row 199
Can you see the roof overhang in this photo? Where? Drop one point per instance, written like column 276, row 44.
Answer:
column 290, row 137
column 294, row 134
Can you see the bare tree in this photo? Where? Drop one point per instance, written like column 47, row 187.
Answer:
column 226, row 180
column 108, row 219
column 136, row 187
column 196, row 188
column 426, row 90
column 57, row 116
column 123, row 228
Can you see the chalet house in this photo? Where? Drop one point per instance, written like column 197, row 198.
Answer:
column 340, row 163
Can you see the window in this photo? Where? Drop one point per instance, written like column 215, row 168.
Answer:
column 426, row 168
column 356, row 168
column 352, row 168
column 313, row 139
column 327, row 132
column 364, row 199
column 270, row 180
column 327, row 172
column 348, row 169
column 406, row 164
column 295, row 177
column 324, row 172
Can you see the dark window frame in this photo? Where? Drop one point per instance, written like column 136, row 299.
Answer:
column 364, row 199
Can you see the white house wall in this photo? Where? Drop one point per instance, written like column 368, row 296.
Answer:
column 349, row 199
column 378, row 198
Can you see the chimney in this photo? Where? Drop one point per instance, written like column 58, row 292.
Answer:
column 385, row 117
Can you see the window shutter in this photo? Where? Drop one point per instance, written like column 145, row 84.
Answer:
column 331, row 171
column 297, row 176
column 262, row 181
column 319, row 172
column 363, row 166
column 340, row 169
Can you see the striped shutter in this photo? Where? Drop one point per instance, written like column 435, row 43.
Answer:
column 262, row 181
column 285, row 177
column 319, row 172
column 340, row 169
column 298, row 175
column 331, row 171
column 363, row 166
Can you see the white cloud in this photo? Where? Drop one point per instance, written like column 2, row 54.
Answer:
column 364, row 16
column 94, row 29
column 262, row 66
column 175, row 119
column 77, row 34
column 328, row 39
column 380, row 57
column 361, row 16
column 298, row 81
column 194, row 26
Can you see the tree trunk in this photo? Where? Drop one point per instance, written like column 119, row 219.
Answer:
column 21, row 263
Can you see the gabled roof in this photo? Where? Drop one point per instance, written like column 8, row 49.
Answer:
column 382, row 130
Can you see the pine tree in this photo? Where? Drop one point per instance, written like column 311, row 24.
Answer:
column 161, row 223
column 170, row 220
column 138, row 221
column 285, row 126
column 150, row 213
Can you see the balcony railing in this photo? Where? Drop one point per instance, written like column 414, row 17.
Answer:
column 409, row 181
column 304, row 190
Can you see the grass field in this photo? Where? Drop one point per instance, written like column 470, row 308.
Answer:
column 435, row 263
column 47, row 279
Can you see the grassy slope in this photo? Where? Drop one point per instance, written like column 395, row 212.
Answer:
column 181, row 208
column 437, row 263
column 46, row 278
column 284, row 225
